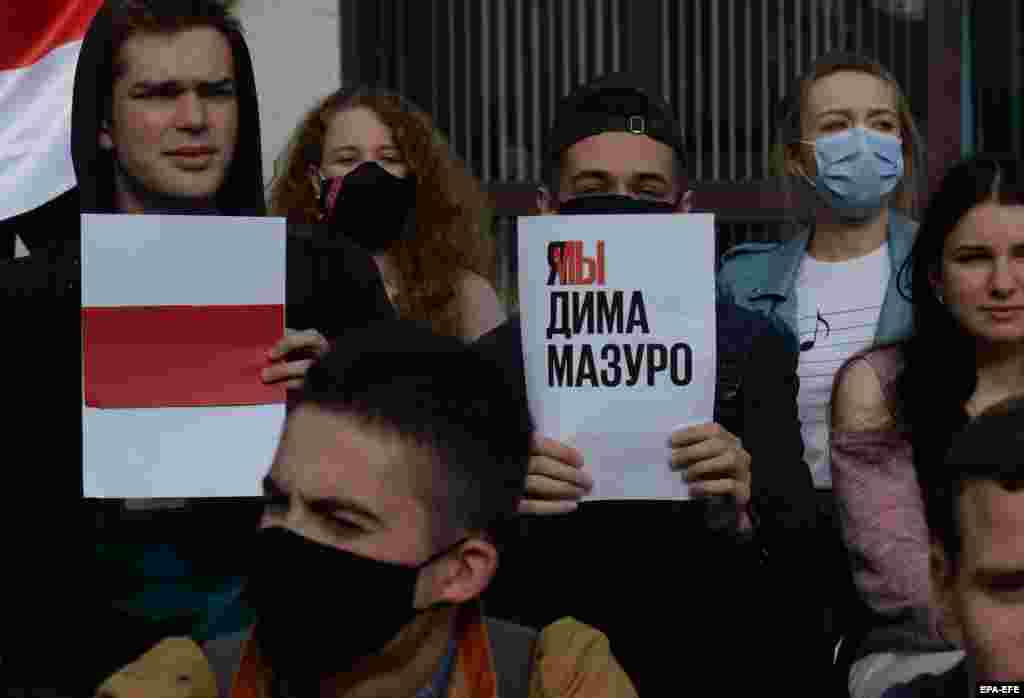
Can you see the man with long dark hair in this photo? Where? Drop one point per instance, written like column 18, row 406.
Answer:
column 164, row 120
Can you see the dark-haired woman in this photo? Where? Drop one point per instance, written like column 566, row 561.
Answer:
column 896, row 408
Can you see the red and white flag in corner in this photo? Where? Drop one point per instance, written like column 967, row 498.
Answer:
column 39, row 45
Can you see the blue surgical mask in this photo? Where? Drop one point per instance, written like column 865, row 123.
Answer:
column 857, row 169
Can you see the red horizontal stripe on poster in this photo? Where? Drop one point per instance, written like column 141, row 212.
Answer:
column 180, row 356
column 33, row 28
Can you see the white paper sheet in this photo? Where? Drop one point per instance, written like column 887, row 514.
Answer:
column 179, row 452
column 180, row 260
column 622, row 430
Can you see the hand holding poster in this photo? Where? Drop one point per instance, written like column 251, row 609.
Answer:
column 618, row 321
column 175, row 334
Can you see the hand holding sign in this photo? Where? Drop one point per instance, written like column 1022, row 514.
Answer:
column 713, row 460
column 292, row 357
column 555, row 482
column 714, row 463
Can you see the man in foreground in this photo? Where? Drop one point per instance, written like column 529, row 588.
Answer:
column 399, row 466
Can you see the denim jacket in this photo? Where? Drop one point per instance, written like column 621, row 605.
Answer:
column 762, row 276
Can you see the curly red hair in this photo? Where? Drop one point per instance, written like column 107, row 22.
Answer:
column 452, row 212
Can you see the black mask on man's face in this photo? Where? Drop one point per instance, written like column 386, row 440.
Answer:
column 319, row 609
column 614, row 203
column 369, row 205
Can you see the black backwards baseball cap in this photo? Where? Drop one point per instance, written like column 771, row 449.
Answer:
column 614, row 102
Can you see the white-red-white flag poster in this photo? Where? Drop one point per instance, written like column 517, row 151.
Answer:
column 39, row 45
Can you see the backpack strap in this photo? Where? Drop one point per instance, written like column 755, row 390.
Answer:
column 225, row 656
column 512, row 647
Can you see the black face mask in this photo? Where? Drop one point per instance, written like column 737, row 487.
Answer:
column 614, row 203
column 319, row 609
column 369, row 205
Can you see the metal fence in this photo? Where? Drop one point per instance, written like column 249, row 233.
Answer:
column 491, row 71
column 726, row 64
column 996, row 38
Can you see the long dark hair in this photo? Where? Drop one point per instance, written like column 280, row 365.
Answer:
column 940, row 357
column 241, row 193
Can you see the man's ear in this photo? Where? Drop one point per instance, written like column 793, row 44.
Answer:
column 943, row 579
column 106, row 142
column 545, row 201
column 462, row 575
column 685, row 204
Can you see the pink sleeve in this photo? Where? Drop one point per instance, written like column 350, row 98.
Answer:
column 882, row 520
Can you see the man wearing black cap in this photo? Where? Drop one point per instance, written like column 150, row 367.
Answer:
column 615, row 148
column 703, row 585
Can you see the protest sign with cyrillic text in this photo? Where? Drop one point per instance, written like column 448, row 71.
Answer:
column 618, row 322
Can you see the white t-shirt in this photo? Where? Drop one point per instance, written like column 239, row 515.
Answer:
column 838, row 306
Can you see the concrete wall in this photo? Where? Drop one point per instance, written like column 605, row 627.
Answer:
column 296, row 54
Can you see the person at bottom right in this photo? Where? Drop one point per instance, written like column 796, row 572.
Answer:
column 975, row 512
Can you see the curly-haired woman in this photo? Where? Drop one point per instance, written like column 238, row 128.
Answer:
column 372, row 166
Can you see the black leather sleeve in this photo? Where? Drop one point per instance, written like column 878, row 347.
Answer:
column 783, row 498
column 783, row 491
